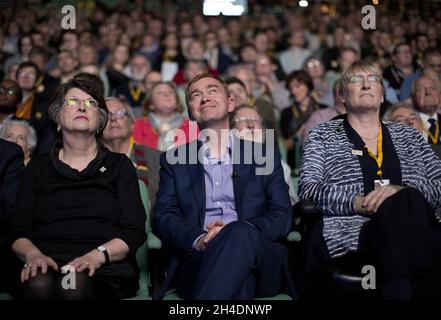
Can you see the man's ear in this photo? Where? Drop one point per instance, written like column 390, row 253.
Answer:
column 190, row 115
column 231, row 105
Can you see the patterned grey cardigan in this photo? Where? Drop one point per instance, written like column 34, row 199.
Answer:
column 331, row 177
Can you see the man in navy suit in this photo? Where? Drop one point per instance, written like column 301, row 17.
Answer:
column 219, row 216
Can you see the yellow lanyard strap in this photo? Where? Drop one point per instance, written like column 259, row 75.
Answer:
column 135, row 93
column 131, row 145
column 433, row 137
column 378, row 159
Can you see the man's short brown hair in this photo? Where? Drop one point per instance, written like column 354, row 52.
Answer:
column 202, row 76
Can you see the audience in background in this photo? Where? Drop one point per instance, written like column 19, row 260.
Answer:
column 21, row 133
column 163, row 109
column 117, row 137
column 10, row 97
column 131, row 50
column 426, row 97
column 294, row 117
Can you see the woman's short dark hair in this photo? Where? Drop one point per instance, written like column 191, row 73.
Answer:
column 92, row 77
column 301, row 76
column 91, row 87
column 232, row 80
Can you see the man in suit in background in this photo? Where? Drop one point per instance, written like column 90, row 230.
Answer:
column 11, row 167
column 220, row 219
column 426, row 95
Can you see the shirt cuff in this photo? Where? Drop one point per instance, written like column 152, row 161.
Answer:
column 195, row 243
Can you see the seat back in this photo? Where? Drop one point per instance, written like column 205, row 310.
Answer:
column 142, row 253
column 298, row 148
column 337, row 278
column 282, row 149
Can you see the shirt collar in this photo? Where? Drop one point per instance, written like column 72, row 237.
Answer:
column 226, row 157
column 425, row 117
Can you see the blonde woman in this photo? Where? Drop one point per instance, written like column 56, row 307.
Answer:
column 163, row 114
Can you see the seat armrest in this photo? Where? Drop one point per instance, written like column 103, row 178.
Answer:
column 294, row 236
column 306, row 208
column 305, row 213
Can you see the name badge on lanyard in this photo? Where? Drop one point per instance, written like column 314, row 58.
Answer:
column 380, row 183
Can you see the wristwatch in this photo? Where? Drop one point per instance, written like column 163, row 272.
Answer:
column 105, row 252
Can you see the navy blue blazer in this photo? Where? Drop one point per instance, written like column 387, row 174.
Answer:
column 179, row 213
column 11, row 168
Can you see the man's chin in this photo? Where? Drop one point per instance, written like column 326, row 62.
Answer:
column 429, row 110
column 115, row 136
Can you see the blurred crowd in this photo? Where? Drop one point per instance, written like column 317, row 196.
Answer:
column 282, row 59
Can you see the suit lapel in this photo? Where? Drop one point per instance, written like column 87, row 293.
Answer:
column 196, row 173
column 241, row 174
column 239, row 181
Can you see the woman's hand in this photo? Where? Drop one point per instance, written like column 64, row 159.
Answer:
column 34, row 261
column 92, row 260
column 375, row 198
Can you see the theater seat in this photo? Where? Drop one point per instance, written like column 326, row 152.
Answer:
column 3, row 243
column 339, row 278
column 142, row 254
column 5, row 296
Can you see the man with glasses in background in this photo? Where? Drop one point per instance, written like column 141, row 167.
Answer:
column 426, row 98
column 117, row 137
column 407, row 115
column 10, row 96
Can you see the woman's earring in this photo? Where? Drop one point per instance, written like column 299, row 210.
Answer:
column 58, row 129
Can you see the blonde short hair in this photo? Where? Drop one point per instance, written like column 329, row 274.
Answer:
column 356, row 67
column 148, row 99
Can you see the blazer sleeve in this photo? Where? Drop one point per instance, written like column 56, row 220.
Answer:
column 277, row 221
column 169, row 222
column 132, row 212
column 12, row 168
column 24, row 215
column 431, row 186
column 332, row 199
